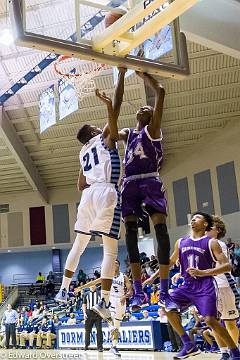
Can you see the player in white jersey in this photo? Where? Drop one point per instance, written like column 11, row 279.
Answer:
column 121, row 289
column 99, row 210
column 228, row 297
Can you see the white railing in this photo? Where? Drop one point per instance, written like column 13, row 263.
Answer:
column 31, row 279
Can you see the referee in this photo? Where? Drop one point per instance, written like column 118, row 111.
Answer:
column 91, row 318
column 10, row 317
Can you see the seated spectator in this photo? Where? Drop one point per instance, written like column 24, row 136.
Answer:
column 230, row 244
column 81, row 276
column 42, row 332
column 154, row 295
column 143, row 258
column 31, row 290
column 40, row 278
column 237, row 250
column 29, row 333
column 129, row 317
column 56, row 321
column 51, row 277
column 153, row 261
column 35, row 312
column 50, row 289
column 146, row 316
column 96, row 275
column 144, row 275
column 72, row 320
column 162, row 317
column 149, row 270
column 71, row 292
column 19, row 329
column 29, row 311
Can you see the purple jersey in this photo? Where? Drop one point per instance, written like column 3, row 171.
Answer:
column 197, row 254
column 143, row 154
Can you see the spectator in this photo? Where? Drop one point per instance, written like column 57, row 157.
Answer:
column 96, row 275
column 146, row 316
column 81, row 276
column 51, row 277
column 237, row 250
column 145, row 275
column 29, row 311
column 144, row 258
column 10, row 317
column 50, row 289
column 154, row 295
column 42, row 333
column 31, row 290
column 35, row 312
column 153, row 261
column 40, row 278
column 72, row 320
column 162, row 317
column 19, row 330
column 25, row 334
column 230, row 244
column 149, row 270
column 56, row 321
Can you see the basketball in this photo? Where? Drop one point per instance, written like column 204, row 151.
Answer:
column 110, row 18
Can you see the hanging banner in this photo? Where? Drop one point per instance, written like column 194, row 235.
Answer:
column 68, row 100
column 47, row 109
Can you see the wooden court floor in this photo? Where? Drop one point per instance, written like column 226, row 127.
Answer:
column 94, row 355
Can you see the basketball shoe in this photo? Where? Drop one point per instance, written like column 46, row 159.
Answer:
column 61, row 296
column 187, row 350
column 113, row 350
column 102, row 310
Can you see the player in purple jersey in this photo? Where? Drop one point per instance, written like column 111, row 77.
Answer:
column 143, row 191
column 197, row 254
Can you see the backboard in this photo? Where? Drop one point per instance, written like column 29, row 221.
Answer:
column 77, row 28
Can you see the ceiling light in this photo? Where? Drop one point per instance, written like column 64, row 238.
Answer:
column 6, row 37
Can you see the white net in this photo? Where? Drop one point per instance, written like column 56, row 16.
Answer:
column 79, row 73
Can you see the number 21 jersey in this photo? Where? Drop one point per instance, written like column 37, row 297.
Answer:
column 99, row 163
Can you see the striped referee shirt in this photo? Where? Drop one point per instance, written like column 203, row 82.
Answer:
column 91, row 298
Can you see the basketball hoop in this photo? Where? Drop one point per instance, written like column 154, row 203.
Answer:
column 79, row 73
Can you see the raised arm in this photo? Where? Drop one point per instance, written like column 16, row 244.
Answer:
column 154, row 126
column 119, row 90
column 110, row 130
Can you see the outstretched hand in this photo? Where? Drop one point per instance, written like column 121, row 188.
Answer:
column 102, row 96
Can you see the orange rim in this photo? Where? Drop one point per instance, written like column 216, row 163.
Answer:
column 63, row 58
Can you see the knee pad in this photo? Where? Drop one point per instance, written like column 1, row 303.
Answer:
column 163, row 241
column 132, row 241
column 110, row 250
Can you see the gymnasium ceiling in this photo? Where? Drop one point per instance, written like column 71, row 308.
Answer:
column 203, row 103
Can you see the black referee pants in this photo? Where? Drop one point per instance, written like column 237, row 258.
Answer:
column 10, row 331
column 93, row 319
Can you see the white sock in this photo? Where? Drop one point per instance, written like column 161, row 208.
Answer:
column 224, row 350
column 66, row 283
column 105, row 295
column 117, row 325
column 73, row 258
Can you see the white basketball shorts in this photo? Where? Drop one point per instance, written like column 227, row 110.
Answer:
column 99, row 211
column 227, row 304
column 116, row 308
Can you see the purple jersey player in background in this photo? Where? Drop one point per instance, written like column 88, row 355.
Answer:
column 143, row 191
column 197, row 254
